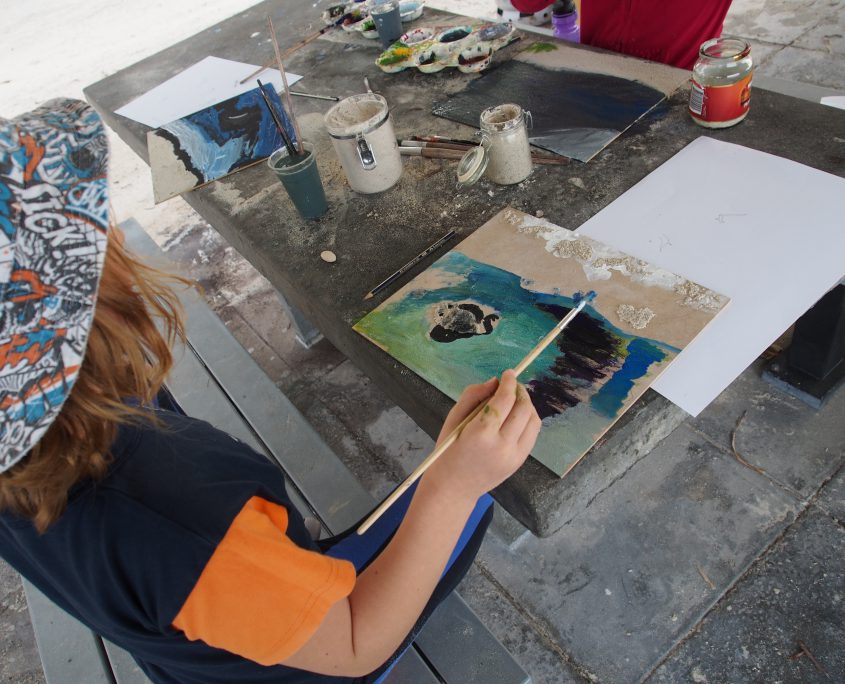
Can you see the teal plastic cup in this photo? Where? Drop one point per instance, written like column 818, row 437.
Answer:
column 388, row 20
column 301, row 179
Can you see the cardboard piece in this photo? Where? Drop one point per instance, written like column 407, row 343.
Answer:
column 482, row 307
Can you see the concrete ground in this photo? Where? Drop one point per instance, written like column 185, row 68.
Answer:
column 690, row 567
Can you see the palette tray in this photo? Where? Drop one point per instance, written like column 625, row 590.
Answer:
column 468, row 48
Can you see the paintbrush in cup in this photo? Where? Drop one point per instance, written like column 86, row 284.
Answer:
column 285, row 83
column 285, row 137
column 453, row 151
column 581, row 301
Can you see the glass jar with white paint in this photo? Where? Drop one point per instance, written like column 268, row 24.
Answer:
column 504, row 155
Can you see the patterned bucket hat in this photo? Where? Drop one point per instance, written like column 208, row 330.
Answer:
column 53, row 231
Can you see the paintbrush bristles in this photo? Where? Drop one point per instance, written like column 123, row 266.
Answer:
column 285, row 83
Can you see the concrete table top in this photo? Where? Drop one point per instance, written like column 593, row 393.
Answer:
column 374, row 235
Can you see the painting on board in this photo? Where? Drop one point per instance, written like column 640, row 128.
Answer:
column 483, row 306
column 214, row 142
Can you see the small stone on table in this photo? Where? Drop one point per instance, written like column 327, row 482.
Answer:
column 328, row 257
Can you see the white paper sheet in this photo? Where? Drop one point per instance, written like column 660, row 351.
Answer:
column 837, row 101
column 207, row 82
column 767, row 232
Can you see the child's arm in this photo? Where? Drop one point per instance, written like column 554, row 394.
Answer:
column 361, row 632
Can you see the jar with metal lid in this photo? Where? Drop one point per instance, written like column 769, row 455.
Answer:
column 362, row 134
column 721, row 83
column 504, row 153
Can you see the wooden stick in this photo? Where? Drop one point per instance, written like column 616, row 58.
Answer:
column 440, row 138
column 437, row 145
column 451, row 144
column 432, row 154
column 451, row 152
column 452, row 436
column 285, row 82
column 287, row 53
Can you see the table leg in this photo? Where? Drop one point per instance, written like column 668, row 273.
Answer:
column 306, row 333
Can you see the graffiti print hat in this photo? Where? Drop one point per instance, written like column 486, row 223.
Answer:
column 53, row 227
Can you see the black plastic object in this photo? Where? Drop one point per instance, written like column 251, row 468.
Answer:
column 563, row 7
column 814, row 365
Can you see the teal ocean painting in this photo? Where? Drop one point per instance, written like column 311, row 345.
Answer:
column 466, row 319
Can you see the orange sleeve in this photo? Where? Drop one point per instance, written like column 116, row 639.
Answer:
column 260, row 595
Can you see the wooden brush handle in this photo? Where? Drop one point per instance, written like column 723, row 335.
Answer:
column 420, row 469
column 452, row 436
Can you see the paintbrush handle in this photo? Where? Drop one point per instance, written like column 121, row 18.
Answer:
column 286, row 53
column 331, row 98
column 549, row 160
column 430, row 153
column 285, row 138
column 287, row 87
column 436, row 145
column 449, row 440
column 455, row 151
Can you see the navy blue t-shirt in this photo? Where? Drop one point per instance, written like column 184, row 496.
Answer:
column 129, row 550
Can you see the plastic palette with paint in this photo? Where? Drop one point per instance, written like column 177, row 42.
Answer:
column 467, row 48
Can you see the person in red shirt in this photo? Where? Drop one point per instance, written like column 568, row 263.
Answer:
column 660, row 31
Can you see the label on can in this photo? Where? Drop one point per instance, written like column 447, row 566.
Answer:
column 720, row 103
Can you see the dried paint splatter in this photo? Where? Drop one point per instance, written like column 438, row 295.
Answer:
column 573, row 248
column 636, row 318
column 699, row 297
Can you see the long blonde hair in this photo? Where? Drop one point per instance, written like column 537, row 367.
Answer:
column 127, row 357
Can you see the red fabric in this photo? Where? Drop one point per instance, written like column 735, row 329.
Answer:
column 668, row 31
column 530, row 6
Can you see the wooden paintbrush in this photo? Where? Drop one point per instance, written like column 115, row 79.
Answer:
column 439, row 142
column 582, row 300
column 432, row 154
column 450, row 151
column 285, row 83
column 287, row 53
column 285, row 137
column 440, row 138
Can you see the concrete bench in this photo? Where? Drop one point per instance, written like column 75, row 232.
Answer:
column 215, row 379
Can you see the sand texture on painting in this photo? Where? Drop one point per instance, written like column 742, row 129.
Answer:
column 481, row 307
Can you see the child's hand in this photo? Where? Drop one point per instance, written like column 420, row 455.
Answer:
column 494, row 444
